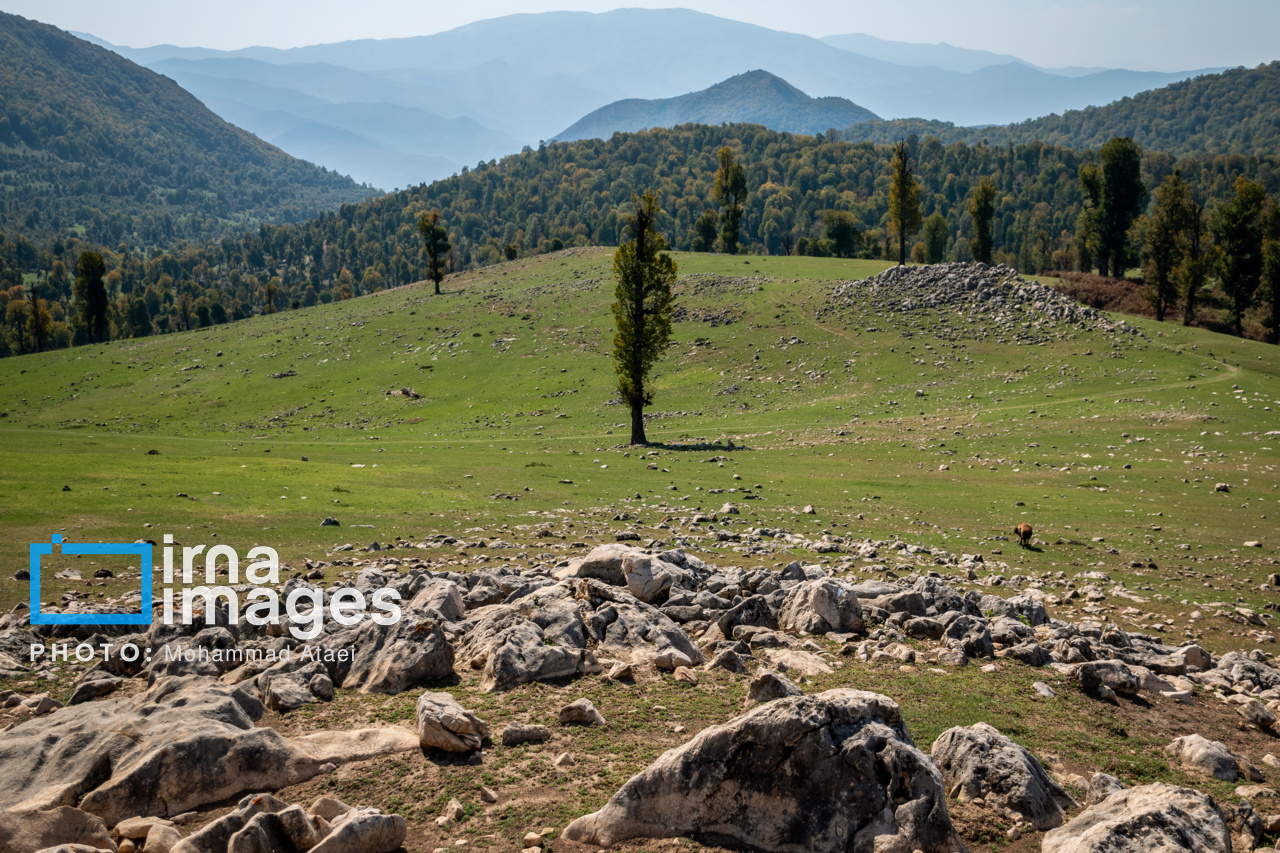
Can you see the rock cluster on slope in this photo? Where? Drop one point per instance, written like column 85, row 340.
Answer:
column 975, row 300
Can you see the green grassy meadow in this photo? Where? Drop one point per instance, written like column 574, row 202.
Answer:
column 516, row 397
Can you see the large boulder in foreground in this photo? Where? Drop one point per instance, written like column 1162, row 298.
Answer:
column 1160, row 818
column 836, row 771
column 977, row 762
column 183, row 743
column 821, row 606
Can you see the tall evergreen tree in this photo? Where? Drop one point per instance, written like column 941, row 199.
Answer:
column 435, row 242
column 730, row 190
column 982, row 209
column 642, row 310
column 91, row 296
column 1114, row 195
column 1165, row 243
column 1271, row 268
column 904, row 200
column 1237, row 231
column 1195, row 267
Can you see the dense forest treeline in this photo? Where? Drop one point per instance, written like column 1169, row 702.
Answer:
column 579, row 193
column 1234, row 112
column 95, row 146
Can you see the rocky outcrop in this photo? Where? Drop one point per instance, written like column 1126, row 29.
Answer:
column 264, row 824
column 1155, row 817
column 977, row 762
column 832, row 772
column 183, row 743
column 821, row 607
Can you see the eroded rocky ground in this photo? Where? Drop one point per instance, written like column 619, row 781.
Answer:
column 461, row 717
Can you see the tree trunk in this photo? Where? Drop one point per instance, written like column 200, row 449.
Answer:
column 902, row 249
column 637, row 424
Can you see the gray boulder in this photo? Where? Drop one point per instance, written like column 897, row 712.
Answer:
column 836, row 771
column 768, row 686
column 581, row 712
column 1156, row 818
column 515, row 734
column 394, row 658
column 1102, row 786
column 183, row 743
column 977, row 762
column 649, row 578
column 820, row 607
column 1211, row 757
column 444, row 724
column 603, row 563
column 1113, row 674
column 27, row 831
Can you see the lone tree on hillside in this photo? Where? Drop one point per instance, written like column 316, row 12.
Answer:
column 730, row 190
column 91, row 296
column 1165, row 243
column 435, row 241
column 642, row 310
column 1113, row 198
column 904, row 201
column 982, row 208
column 1237, row 229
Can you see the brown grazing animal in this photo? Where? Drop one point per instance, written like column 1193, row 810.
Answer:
column 1024, row 534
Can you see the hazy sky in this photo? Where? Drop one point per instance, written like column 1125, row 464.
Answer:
column 1142, row 34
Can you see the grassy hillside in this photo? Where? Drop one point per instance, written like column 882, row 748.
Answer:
column 756, row 97
column 262, row 428
column 1234, row 112
column 92, row 144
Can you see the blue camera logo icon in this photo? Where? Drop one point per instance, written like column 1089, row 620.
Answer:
column 141, row 551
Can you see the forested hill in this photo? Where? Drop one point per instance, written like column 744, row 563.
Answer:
column 757, row 97
column 580, row 193
column 92, row 143
column 1235, row 112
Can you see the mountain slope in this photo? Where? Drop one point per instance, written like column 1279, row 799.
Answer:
column 1234, row 112
column 90, row 140
column 756, row 97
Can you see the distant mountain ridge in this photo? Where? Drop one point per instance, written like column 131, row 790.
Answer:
column 756, row 97
column 1233, row 112
column 90, row 140
column 526, row 77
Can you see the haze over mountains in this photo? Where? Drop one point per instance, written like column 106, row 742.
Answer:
column 756, row 97
column 397, row 112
